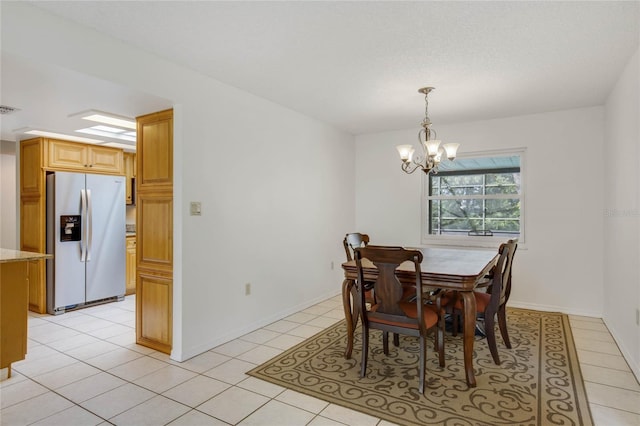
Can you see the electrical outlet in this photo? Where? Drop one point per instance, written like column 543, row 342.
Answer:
column 637, row 316
column 332, row 266
column 247, row 289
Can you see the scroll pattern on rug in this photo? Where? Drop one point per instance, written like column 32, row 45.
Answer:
column 538, row 382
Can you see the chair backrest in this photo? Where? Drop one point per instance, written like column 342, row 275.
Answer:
column 352, row 241
column 501, row 283
column 387, row 287
column 513, row 246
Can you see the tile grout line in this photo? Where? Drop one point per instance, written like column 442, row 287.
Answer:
column 315, row 415
column 613, row 408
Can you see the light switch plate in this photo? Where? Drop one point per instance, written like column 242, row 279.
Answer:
column 196, row 208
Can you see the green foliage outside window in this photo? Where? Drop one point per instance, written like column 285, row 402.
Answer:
column 475, row 203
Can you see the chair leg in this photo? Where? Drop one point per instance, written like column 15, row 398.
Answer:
column 365, row 350
column 456, row 323
column 385, row 342
column 502, row 322
column 423, row 359
column 490, row 332
column 351, row 313
column 396, row 339
column 440, row 341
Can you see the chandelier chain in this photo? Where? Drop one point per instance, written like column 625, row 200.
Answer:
column 426, row 122
column 426, row 106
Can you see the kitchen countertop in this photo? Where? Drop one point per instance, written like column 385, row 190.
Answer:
column 9, row 255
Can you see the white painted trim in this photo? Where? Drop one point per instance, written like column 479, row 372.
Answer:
column 178, row 219
column 626, row 353
column 465, row 241
column 554, row 308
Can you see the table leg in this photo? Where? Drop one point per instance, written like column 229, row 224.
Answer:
column 351, row 313
column 469, row 328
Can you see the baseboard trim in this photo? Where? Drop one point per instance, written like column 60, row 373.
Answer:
column 626, row 353
column 234, row 334
column 554, row 308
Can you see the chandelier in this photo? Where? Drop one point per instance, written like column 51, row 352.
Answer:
column 432, row 152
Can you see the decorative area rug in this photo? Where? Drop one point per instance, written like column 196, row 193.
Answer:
column 538, row 383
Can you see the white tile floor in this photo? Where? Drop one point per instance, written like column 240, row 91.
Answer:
column 84, row 368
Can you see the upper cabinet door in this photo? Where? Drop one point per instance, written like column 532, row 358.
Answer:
column 31, row 176
column 105, row 159
column 155, row 143
column 67, row 155
column 62, row 155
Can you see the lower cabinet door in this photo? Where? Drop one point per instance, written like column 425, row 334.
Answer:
column 154, row 311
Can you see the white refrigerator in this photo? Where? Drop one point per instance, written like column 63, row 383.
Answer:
column 86, row 235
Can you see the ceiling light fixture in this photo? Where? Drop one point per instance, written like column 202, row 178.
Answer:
column 47, row 134
column 124, row 146
column 114, row 133
column 432, row 152
column 107, row 118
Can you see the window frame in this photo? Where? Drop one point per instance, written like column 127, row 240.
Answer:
column 466, row 240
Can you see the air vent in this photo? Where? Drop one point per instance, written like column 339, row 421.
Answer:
column 7, row 109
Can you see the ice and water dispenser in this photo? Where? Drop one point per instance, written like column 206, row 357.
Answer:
column 70, row 226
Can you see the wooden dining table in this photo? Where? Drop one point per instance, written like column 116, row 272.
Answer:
column 442, row 268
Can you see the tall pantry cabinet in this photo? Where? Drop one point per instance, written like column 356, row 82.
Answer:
column 154, row 231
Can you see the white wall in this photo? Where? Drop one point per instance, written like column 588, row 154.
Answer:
column 559, row 267
column 8, row 191
column 276, row 187
column 622, row 213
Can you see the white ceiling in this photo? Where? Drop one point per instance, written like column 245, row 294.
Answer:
column 357, row 65
column 46, row 95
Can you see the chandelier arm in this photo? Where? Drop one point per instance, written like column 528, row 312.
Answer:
column 409, row 168
column 423, row 138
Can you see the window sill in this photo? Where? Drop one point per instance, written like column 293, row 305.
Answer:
column 467, row 242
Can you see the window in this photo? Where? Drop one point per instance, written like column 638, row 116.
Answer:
column 476, row 198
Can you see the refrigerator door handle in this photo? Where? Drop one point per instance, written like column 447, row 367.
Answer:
column 89, row 225
column 83, row 216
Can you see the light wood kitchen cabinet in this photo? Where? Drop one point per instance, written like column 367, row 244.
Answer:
column 130, row 168
column 15, row 267
column 31, row 164
column 38, row 157
column 154, row 231
column 131, row 266
column 14, row 289
column 33, row 211
column 72, row 156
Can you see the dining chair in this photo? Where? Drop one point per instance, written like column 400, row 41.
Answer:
column 392, row 313
column 351, row 309
column 493, row 302
column 353, row 240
